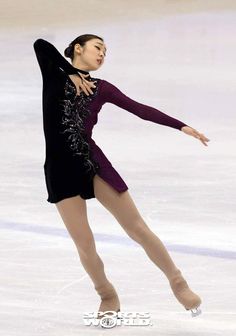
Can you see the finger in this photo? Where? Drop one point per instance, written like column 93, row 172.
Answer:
column 199, row 137
column 85, row 89
column 87, row 86
column 204, row 140
column 88, row 89
column 202, row 136
column 90, row 84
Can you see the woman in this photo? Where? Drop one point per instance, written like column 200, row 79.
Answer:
column 76, row 169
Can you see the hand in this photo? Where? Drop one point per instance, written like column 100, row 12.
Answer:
column 82, row 84
column 191, row 131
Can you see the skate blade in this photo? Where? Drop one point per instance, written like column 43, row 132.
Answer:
column 195, row 311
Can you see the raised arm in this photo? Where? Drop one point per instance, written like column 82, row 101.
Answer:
column 113, row 95
column 49, row 58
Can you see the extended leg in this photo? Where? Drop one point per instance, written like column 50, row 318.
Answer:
column 124, row 210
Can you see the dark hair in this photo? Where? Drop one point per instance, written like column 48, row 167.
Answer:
column 82, row 39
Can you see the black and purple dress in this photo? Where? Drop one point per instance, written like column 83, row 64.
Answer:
column 72, row 157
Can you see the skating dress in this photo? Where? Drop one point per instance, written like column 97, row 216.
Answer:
column 72, row 157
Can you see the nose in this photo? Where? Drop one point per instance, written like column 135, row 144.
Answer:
column 102, row 54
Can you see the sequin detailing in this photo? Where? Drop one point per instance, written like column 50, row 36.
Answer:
column 75, row 108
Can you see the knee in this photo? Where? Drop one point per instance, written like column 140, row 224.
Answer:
column 138, row 230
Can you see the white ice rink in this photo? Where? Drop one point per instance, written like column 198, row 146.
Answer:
column 177, row 56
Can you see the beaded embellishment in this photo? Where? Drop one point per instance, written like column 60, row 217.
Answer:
column 75, row 108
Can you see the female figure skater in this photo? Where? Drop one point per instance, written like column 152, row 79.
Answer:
column 76, row 169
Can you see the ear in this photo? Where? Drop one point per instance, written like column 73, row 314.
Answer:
column 78, row 48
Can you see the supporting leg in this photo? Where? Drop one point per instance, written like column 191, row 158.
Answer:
column 74, row 215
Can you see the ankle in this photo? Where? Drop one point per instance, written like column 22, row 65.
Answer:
column 106, row 291
column 176, row 273
column 103, row 285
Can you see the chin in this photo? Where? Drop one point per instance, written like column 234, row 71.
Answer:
column 98, row 66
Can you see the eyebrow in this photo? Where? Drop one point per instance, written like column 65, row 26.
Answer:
column 101, row 45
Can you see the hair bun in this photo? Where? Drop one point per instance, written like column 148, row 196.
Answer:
column 68, row 52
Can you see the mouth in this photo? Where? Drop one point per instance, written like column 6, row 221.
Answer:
column 99, row 61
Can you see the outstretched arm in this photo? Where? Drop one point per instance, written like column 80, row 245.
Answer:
column 115, row 96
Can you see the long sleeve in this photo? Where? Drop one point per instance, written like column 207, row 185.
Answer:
column 115, row 96
column 49, row 58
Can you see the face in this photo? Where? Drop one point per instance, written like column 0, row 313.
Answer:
column 92, row 54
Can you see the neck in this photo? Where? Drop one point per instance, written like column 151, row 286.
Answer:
column 79, row 66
